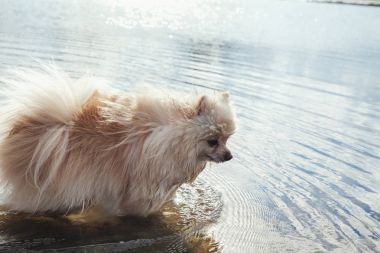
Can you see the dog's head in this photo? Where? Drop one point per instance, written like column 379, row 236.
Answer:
column 214, row 116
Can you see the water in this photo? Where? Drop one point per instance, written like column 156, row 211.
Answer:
column 305, row 82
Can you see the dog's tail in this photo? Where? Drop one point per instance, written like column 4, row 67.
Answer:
column 37, row 108
column 49, row 93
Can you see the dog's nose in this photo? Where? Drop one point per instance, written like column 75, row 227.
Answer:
column 227, row 156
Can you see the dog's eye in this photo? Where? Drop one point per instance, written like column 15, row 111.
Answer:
column 212, row 143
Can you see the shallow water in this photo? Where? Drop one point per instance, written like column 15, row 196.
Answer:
column 304, row 79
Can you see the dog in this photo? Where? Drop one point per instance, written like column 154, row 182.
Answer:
column 68, row 145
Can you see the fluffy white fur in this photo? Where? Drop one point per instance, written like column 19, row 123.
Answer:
column 67, row 145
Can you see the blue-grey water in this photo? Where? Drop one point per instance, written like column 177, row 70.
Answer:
column 305, row 82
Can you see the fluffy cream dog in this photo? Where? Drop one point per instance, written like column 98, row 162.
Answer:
column 68, row 145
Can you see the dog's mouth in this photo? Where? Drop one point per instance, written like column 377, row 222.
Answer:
column 211, row 159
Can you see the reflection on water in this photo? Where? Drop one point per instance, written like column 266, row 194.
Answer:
column 304, row 79
column 180, row 226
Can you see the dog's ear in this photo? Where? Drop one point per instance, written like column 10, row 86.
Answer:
column 225, row 96
column 201, row 105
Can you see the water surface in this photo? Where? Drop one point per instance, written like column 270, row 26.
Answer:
column 304, row 79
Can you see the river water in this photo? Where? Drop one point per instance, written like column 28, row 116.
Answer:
column 305, row 82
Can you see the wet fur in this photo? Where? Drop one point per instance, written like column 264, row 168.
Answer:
column 68, row 145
